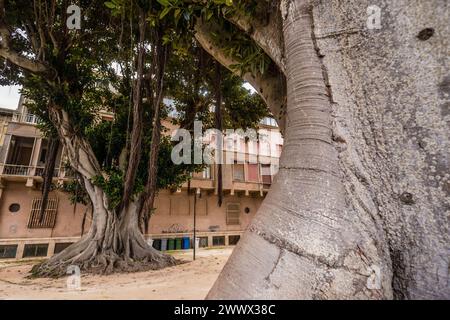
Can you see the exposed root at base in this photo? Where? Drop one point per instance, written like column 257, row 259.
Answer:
column 104, row 264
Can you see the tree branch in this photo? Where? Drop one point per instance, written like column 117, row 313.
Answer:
column 266, row 35
column 271, row 85
column 24, row 63
column 9, row 54
column 137, row 131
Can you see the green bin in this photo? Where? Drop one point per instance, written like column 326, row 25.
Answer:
column 163, row 244
column 178, row 243
column 171, row 244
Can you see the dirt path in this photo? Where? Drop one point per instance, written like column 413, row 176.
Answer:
column 191, row 280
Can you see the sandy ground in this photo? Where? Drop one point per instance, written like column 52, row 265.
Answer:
column 191, row 280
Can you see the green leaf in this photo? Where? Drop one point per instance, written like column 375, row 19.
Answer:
column 164, row 3
column 177, row 13
column 164, row 12
column 110, row 5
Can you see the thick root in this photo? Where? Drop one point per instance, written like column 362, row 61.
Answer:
column 90, row 261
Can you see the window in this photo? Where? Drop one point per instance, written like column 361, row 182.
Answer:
column 230, row 143
column 240, row 145
column 179, row 205
column 252, row 172
column 43, row 156
column 218, row 241
column 266, row 174
column 206, row 174
column 49, row 218
column 264, row 144
column 35, row 250
column 238, row 172
column 279, row 149
column 269, row 122
column 233, row 213
column 203, row 242
column 8, row 251
column 61, row 246
column 233, row 240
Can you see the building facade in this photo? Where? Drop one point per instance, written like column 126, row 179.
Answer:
column 23, row 153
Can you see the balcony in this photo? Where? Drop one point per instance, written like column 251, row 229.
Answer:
column 236, row 178
column 28, row 118
column 40, row 171
column 270, row 122
column 15, row 170
column 12, row 170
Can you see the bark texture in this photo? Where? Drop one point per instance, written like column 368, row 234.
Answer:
column 391, row 115
column 364, row 182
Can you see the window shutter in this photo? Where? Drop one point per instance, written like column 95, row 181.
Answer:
column 253, row 172
column 238, row 172
column 233, row 213
column 266, row 174
column 179, row 205
column 49, row 218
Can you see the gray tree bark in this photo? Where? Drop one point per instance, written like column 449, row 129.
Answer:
column 363, row 182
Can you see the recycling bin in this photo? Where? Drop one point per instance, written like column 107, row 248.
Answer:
column 197, row 243
column 178, row 244
column 186, row 243
column 163, row 244
column 157, row 244
column 171, row 244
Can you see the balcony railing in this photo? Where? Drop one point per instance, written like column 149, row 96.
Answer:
column 16, row 170
column 40, row 171
column 25, row 118
column 26, row 171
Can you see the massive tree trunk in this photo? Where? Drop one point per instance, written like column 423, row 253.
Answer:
column 114, row 242
column 306, row 241
column 360, row 206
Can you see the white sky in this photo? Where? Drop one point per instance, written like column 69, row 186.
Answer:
column 248, row 86
column 9, row 97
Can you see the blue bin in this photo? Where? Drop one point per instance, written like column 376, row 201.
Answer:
column 186, row 243
column 163, row 244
